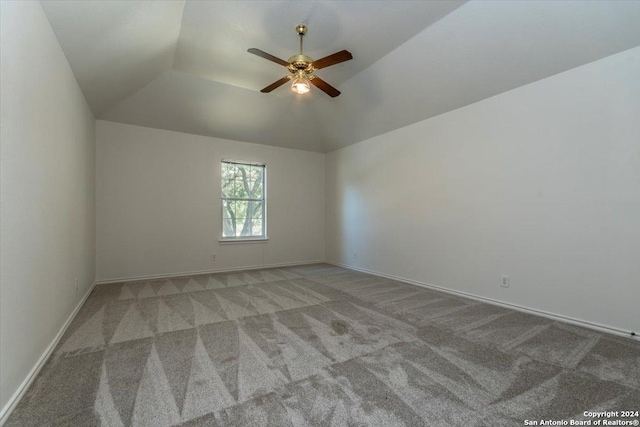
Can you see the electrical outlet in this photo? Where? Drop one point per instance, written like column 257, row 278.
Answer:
column 355, row 254
column 76, row 285
column 505, row 281
column 213, row 257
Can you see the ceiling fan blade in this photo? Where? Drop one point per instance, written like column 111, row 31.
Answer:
column 276, row 84
column 325, row 87
column 268, row 56
column 336, row 58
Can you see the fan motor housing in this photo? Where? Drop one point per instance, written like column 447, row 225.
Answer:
column 300, row 62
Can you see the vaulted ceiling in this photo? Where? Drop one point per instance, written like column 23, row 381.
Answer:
column 184, row 66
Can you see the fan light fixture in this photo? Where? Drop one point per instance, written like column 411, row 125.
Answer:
column 302, row 67
column 300, row 84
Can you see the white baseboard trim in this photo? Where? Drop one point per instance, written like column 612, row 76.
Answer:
column 193, row 273
column 553, row 316
column 13, row 401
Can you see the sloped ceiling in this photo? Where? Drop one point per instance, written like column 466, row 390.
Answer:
column 184, row 66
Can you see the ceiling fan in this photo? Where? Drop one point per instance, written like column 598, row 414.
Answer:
column 302, row 67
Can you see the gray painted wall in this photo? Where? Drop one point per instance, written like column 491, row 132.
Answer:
column 158, row 203
column 47, row 194
column 541, row 183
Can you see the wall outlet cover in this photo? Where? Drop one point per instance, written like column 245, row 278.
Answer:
column 504, row 281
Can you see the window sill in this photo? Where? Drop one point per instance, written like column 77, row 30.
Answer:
column 239, row 240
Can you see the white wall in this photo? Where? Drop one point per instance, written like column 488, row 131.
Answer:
column 47, row 195
column 541, row 183
column 158, row 203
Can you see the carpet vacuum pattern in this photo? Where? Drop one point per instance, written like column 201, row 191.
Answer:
column 319, row 345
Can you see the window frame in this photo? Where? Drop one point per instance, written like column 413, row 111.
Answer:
column 263, row 200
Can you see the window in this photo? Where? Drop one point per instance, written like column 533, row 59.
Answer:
column 243, row 201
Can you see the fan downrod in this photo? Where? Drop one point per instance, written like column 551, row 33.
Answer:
column 300, row 62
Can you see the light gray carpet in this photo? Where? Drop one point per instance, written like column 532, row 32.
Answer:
column 317, row 346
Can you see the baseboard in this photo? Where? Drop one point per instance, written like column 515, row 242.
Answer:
column 192, row 273
column 13, row 401
column 554, row 316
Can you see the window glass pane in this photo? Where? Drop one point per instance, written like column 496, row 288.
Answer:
column 256, row 179
column 241, row 208
column 239, row 190
column 260, row 183
column 256, row 211
column 228, row 208
column 227, row 188
column 243, row 213
column 228, row 228
column 257, row 189
column 256, row 227
column 228, row 179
